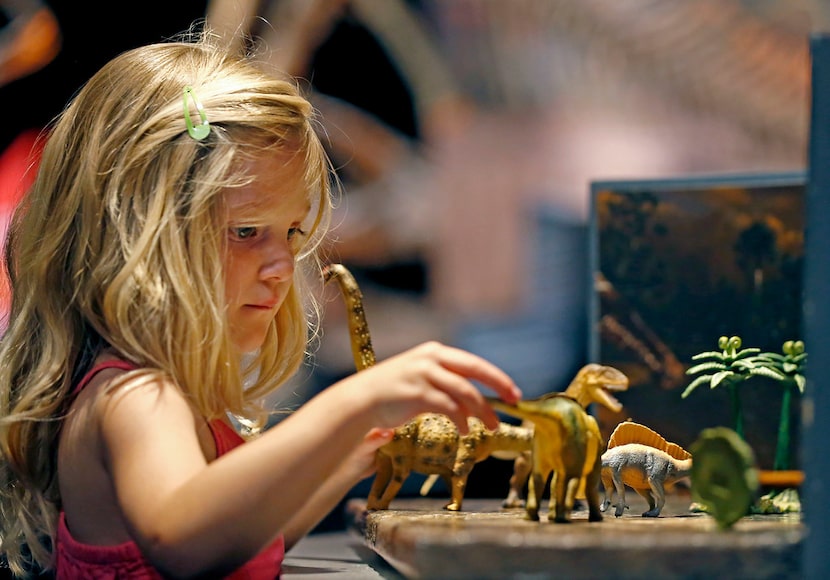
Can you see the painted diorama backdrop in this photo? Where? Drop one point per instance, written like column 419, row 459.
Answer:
column 677, row 264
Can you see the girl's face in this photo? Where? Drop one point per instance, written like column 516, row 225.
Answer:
column 264, row 232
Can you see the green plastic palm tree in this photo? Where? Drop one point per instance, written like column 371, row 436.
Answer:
column 728, row 368
column 787, row 369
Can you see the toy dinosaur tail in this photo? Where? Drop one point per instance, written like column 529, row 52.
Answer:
column 507, row 409
column 361, row 340
column 428, row 483
column 529, row 409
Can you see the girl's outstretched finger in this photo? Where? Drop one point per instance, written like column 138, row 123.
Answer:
column 439, row 401
column 469, row 399
column 474, row 367
column 377, row 437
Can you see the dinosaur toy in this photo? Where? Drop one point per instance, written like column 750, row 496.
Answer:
column 566, row 443
column 592, row 384
column 429, row 443
column 643, row 460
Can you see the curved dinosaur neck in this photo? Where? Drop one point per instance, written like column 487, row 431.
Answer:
column 359, row 337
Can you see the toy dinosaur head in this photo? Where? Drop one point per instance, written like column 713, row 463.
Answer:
column 594, row 384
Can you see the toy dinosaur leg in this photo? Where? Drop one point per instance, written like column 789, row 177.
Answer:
column 562, row 493
column 558, row 507
column 592, row 481
column 459, row 484
column 647, row 495
column 658, row 501
column 536, row 486
column 556, row 499
column 398, row 477
column 464, row 462
column 447, row 479
column 608, row 487
column 521, row 471
column 381, row 481
column 620, row 487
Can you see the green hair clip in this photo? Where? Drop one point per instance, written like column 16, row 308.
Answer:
column 202, row 130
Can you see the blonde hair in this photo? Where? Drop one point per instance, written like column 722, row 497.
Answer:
column 118, row 244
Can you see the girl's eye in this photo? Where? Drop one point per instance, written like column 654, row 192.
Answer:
column 294, row 232
column 244, row 233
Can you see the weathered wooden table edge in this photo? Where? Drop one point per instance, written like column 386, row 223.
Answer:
column 421, row 540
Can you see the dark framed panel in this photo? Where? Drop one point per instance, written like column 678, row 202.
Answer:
column 816, row 416
column 678, row 263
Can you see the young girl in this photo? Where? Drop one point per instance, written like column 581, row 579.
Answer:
column 179, row 196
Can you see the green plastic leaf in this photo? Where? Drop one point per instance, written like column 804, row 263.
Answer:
column 747, row 352
column 694, row 384
column 800, row 382
column 707, row 366
column 709, row 354
column 769, row 373
column 720, row 377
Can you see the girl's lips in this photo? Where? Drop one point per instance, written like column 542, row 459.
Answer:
column 267, row 306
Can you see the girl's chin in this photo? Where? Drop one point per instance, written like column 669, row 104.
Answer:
column 248, row 347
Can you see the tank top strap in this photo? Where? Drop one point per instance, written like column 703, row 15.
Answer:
column 110, row 364
column 224, row 436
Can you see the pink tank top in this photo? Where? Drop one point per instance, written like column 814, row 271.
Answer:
column 125, row 561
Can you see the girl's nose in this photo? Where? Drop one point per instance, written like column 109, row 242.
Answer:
column 278, row 262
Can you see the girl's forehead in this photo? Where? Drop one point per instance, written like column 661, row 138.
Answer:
column 275, row 180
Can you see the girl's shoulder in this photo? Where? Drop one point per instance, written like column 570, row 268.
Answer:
column 108, row 366
column 122, row 421
column 102, row 364
column 112, row 384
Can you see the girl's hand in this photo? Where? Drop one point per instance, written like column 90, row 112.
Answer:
column 361, row 462
column 434, row 378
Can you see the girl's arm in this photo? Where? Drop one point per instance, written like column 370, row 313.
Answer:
column 358, row 466
column 192, row 517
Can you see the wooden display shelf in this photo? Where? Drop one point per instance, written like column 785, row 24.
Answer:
column 421, row 540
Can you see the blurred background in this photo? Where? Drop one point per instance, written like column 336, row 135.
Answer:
column 466, row 134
